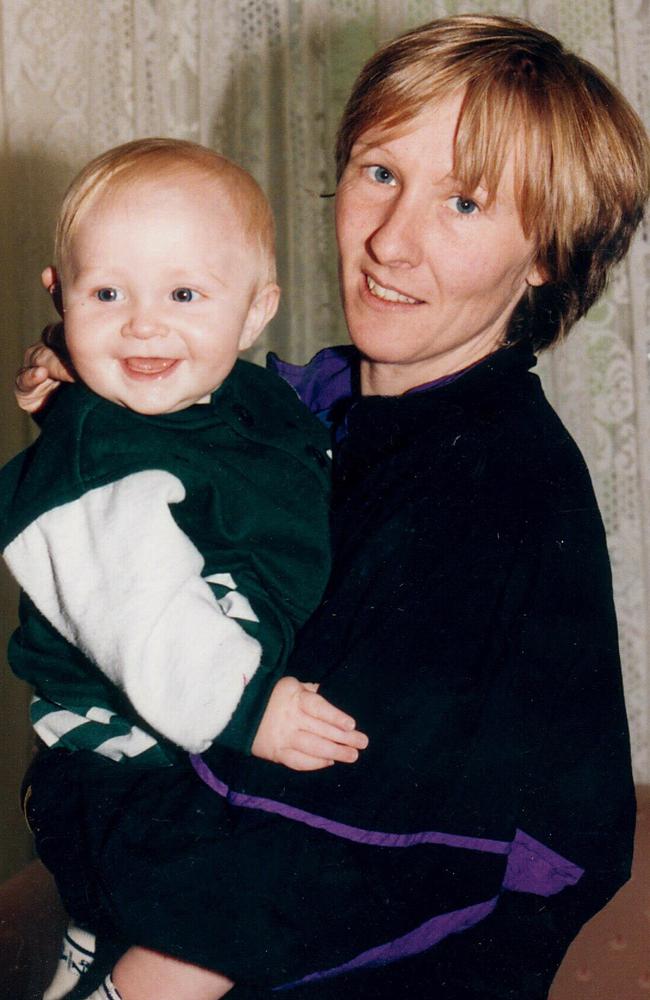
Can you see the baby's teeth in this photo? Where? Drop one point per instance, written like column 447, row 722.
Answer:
column 388, row 294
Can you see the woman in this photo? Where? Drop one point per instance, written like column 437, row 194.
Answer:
column 487, row 182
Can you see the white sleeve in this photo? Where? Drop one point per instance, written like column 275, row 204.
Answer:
column 116, row 576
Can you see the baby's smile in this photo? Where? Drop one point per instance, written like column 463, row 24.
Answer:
column 146, row 368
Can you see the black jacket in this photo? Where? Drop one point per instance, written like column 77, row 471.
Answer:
column 469, row 628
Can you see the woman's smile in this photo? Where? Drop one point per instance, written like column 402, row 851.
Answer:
column 386, row 294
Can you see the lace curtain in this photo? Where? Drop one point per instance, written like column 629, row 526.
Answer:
column 264, row 81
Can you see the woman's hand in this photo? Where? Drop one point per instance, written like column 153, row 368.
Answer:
column 42, row 372
column 303, row 731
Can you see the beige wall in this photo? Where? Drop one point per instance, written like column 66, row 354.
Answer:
column 15, row 842
column 15, row 734
column 25, row 227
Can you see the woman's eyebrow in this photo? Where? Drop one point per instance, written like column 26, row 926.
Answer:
column 364, row 148
column 480, row 190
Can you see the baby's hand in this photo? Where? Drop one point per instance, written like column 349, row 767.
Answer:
column 303, row 731
column 42, row 372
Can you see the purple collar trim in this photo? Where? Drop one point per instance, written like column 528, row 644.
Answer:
column 332, row 376
column 328, row 378
column 531, row 867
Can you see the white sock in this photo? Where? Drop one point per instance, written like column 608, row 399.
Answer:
column 76, row 957
column 106, row 991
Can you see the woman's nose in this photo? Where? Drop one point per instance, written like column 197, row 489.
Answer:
column 398, row 239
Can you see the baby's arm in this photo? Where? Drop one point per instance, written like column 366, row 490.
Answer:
column 304, row 731
column 124, row 586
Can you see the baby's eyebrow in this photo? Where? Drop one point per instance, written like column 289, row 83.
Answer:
column 91, row 270
column 220, row 280
column 178, row 277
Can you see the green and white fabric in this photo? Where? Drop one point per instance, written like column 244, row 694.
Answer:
column 165, row 562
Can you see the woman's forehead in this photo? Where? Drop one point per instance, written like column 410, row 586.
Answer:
column 440, row 132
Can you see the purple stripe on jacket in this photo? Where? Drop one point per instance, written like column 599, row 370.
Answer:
column 531, row 867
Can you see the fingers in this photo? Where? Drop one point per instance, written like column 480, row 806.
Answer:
column 32, row 355
column 302, row 730
column 333, row 731
column 27, row 378
column 298, row 761
column 49, row 353
column 353, row 738
column 323, row 748
column 320, row 708
column 41, row 373
column 38, row 355
column 32, row 388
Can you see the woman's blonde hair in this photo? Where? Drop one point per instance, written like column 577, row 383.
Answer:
column 149, row 159
column 582, row 158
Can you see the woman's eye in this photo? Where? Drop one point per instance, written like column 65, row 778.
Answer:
column 463, row 206
column 108, row 294
column 381, row 175
column 184, row 295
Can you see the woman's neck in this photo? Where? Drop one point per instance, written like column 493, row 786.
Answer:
column 379, row 379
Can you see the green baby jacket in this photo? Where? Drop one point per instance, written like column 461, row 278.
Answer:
column 165, row 564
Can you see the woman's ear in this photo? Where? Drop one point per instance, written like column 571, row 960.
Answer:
column 261, row 311
column 536, row 276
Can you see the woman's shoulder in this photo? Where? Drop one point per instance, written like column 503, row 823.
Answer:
column 534, row 446
column 496, row 442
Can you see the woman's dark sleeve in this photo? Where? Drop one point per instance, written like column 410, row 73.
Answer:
column 529, row 732
column 499, row 707
column 559, row 718
column 545, row 751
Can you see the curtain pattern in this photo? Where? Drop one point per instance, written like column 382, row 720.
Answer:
column 264, row 81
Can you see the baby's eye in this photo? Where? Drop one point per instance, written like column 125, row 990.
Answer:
column 109, row 294
column 381, row 175
column 184, row 295
column 463, row 206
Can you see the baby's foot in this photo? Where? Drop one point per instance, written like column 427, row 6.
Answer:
column 77, row 954
column 106, row 991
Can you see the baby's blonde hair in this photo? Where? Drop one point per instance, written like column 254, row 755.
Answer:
column 153, row 158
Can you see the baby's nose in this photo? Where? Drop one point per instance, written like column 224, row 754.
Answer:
column 144, row 325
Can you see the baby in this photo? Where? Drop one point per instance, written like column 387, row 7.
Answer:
column 169, row 526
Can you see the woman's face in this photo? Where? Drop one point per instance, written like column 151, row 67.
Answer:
column 429, row 273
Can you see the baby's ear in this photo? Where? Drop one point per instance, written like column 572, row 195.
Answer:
column 261, row 311
column 50, row 280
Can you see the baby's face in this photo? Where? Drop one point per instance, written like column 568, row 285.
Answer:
column 160, row 293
